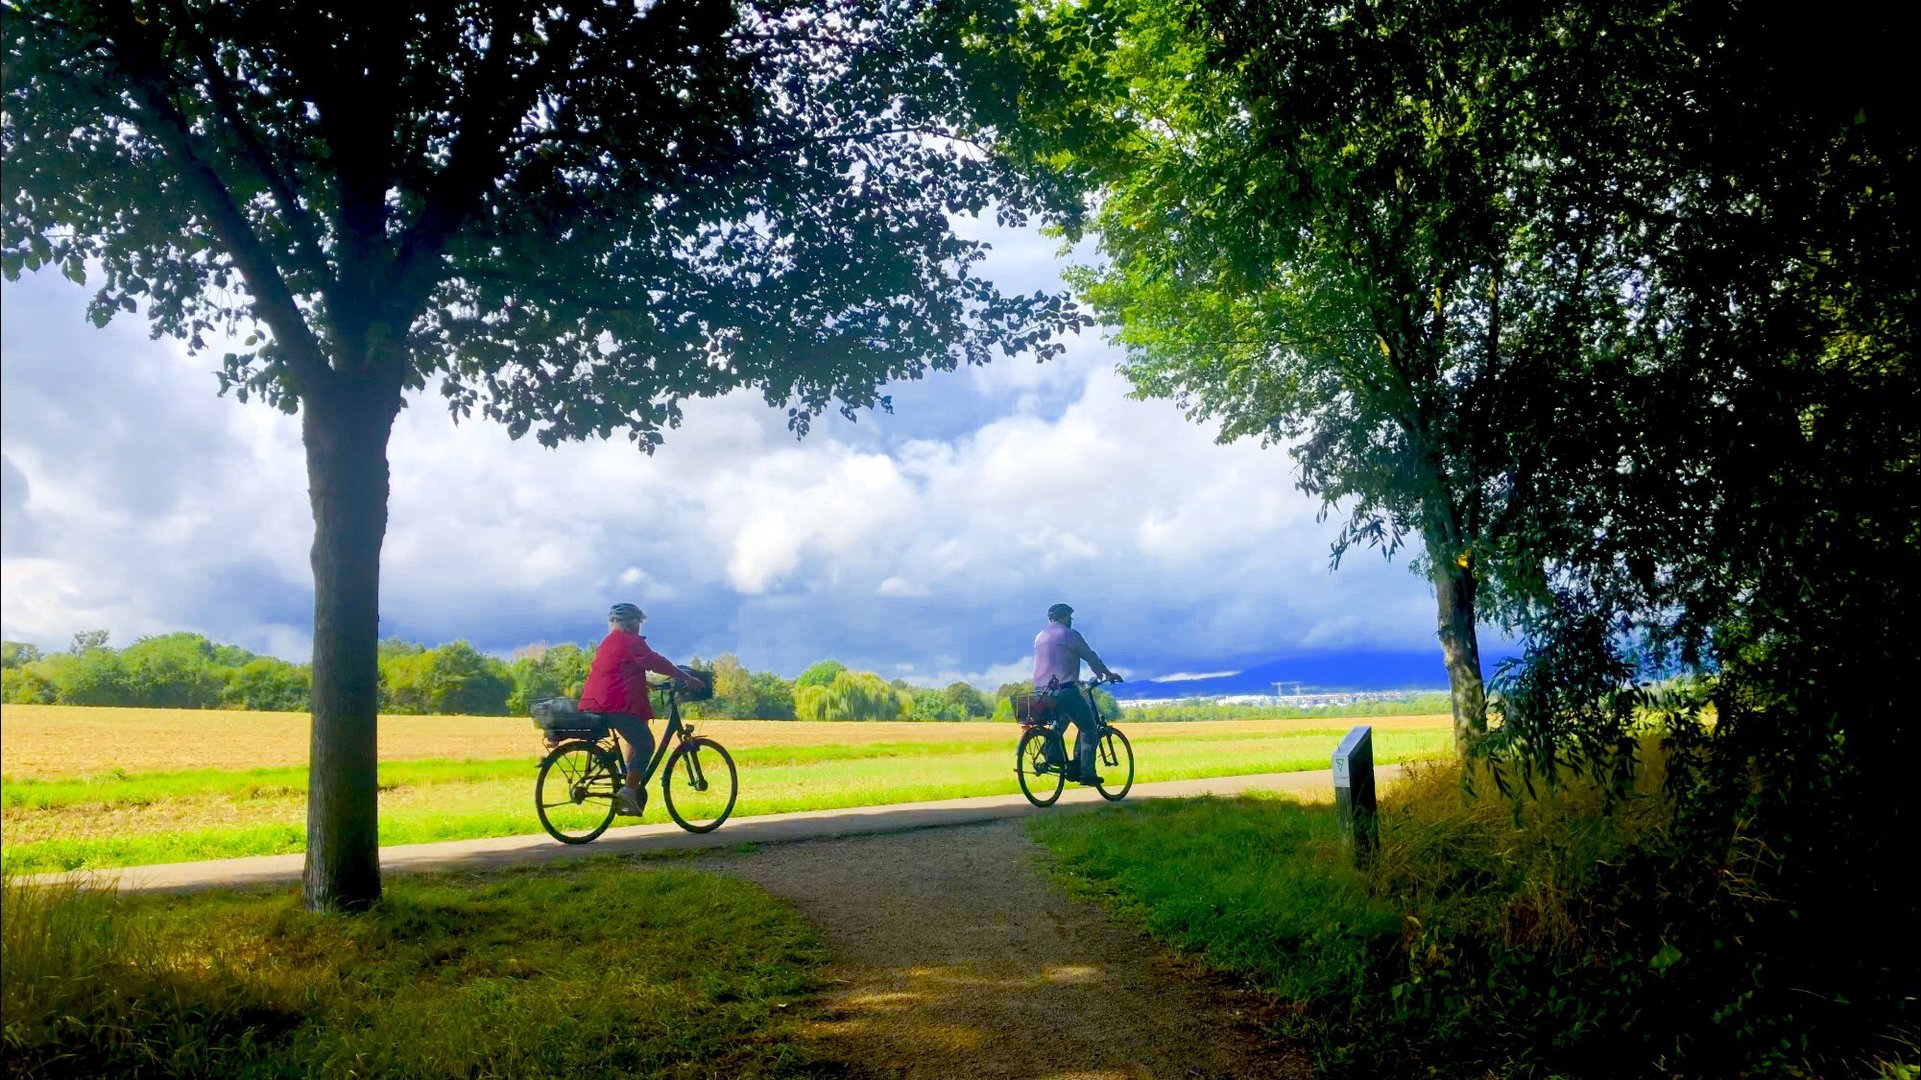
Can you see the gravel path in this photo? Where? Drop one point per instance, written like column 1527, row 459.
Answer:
column 950, row 956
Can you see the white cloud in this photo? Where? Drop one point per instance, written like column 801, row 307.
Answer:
column 1194, row 676
column 930, row 541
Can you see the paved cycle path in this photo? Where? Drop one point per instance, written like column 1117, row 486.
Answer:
column 641, row 839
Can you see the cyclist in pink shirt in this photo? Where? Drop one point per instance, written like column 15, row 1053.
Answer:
column 617, row 686
column 1058, row 652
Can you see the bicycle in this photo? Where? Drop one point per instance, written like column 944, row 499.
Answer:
column 1042, row 782
column 582, row 776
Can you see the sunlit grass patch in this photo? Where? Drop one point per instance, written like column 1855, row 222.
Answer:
column 113, row 818
column 1556, row 933
column 598, row 969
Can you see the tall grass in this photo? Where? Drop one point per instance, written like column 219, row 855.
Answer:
column 1553, row 935
column 598, row 970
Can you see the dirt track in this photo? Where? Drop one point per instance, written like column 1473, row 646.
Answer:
column 952, row 957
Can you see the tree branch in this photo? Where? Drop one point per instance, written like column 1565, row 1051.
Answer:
column 488, row 117
column 274, row 302
column 220, row 89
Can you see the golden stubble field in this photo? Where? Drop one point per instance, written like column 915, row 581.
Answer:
column 54, row 741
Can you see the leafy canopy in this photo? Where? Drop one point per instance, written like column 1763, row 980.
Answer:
column 570, row 216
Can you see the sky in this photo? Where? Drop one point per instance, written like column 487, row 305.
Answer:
column 924, row 544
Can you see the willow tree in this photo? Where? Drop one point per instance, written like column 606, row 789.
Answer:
column 1382, row 235
column 567, row 217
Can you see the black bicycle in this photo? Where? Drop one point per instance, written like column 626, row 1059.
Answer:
column 1042, row 782
column 582, row 776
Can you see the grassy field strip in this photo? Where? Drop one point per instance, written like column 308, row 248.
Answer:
column 145, row 819
column 50, row 742
column 114, row 789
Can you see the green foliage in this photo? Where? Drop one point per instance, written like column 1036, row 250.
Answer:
column 453, row 679
column 497, row 975
column 94, row 677
column 773, row 697
column 740, row 694
column 544, row 671
column 15, row 654
column 935, row 705
column 173, row 671
column 1553, row 937
column 972, row 704
column 821, row 673
column 848, row 695
column 268, row 683
column 27, row 685
column 436, row 192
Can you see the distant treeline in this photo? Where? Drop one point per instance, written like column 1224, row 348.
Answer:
column 188, row 671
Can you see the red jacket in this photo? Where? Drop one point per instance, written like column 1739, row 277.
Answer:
column 617, row 682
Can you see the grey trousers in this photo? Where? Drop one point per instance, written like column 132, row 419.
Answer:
column 1071, row 707
column 640, row 741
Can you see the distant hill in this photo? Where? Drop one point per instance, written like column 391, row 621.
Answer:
column 1311, row 672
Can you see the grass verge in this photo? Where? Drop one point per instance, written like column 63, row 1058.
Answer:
column 1539, row 938
column 129, row 820
column 594, row 969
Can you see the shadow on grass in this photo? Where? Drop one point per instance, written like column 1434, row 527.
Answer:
column 595, row 968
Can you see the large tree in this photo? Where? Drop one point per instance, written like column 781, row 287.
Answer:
column 1381, row 234
column 567, row 217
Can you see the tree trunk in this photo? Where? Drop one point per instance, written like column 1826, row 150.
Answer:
column 1460, row 648
column 345, row 427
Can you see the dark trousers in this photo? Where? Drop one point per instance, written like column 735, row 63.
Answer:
column 1070, row 706
column 640, row 741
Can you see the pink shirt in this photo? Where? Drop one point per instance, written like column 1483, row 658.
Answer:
column 617, row 682
column 1058, row 652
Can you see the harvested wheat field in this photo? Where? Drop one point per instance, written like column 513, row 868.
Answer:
column 56, row 741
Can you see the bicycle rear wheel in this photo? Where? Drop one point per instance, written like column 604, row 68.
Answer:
column 575, row 792
column 1114, row 758
column 1040, row 782
column 700, row 785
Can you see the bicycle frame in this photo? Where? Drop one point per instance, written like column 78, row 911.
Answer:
column 1058, row 724
column 673, row 734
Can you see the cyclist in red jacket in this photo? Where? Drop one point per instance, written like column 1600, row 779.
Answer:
column 617, row 685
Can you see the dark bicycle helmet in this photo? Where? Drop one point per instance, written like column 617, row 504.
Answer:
column 625, row 613
column 1059, row 612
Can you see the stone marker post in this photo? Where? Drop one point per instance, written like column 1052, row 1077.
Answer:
column 1354, row 793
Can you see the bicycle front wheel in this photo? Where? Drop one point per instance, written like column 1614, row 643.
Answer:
column 700, row 785
column 1040, row 782
column 575, row 792
column 1114, row 759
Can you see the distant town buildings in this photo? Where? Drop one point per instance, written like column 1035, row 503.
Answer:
column 1295, row 700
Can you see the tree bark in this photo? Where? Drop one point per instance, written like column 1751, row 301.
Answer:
column 345, row 426
column 1460, row 648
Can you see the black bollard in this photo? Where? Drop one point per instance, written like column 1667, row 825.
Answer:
column 1354, row 793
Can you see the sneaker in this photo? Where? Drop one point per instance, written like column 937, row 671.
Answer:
column 626, row 805
column 1090, row 780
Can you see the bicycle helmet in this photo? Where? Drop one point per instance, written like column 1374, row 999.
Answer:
column 1059, row 612
column 625, row 613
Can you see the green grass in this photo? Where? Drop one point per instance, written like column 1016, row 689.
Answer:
column 602, row 968
column 1550, row 936
column 133, row 820
column 1259, row 885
